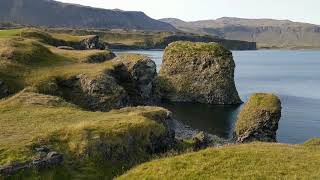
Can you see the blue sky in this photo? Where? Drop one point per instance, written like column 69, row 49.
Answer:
column 190, row 10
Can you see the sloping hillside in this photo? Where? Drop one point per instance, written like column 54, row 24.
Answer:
column 268, row 33
column 57, row 14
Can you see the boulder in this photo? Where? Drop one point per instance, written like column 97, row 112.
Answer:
column 136, row 73
column 259, row 118
column 198, row 72
column 97, row 93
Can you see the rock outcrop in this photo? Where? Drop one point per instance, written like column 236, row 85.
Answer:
column 258, row 120
column 98, row 93
column 198, row 72
column 129, row 83
column 91, row 42
column 136, row 73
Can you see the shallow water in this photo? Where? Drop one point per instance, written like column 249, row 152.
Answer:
column 293, row 75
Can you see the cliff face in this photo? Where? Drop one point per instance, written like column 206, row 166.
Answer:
column 268, row 33
column 56, row 14
column 198, row 72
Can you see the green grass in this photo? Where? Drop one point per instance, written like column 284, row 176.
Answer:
column 191, row 49
column 257, row 104
column 27, row 62
column 247, row 161
column 29, row 120
column 10, row 33
column 82, row 55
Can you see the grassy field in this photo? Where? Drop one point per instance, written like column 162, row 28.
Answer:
column 29, row 120
column 247, row 161
column 10, row 33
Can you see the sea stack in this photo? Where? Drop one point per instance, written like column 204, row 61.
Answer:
column 198, row 72
column 258, row 120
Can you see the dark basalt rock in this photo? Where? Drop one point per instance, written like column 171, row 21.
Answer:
column 198, row 72
column 258, row 120
column 4, row 90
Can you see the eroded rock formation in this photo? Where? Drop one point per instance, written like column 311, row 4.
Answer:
column 198, row 72
column 98, row 93
column 136, row 73
column 258, row 120
column 129, row 83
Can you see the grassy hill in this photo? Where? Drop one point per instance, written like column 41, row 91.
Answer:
column 30, row 120
column 247, row 161
column 93, row 144
column 268, row 33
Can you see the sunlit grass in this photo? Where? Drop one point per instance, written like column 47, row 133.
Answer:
column 10, row 33
column 247, row 161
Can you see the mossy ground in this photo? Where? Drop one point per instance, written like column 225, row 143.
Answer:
column 247, row 161
column 29, row 120
column 191, row 49
column 28, row 62
column 257, row 102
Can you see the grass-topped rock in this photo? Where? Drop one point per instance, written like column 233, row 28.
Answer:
column 87, row 78
column 245, row 161
column 198, row 72
column 93, row 144
column 85, row 56
column 259, row 118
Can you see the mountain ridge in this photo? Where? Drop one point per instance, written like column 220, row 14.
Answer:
column 268, row 33
column 51, row 13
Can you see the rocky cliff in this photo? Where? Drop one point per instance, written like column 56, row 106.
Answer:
column 258, row 120
column 198, row 72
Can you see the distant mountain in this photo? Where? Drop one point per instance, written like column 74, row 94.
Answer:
column 56, row 14
column 268, row 33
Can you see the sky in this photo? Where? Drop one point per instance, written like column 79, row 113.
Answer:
column 192, row 10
